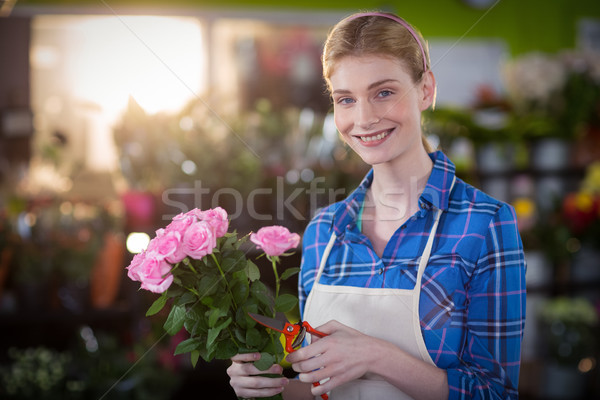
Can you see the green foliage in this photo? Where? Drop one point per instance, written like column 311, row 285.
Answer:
column 572, row 326
column 211, row 299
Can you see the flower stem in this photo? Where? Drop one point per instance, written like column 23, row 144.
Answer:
column 192, row 268
column 225, row 279
column 277, row 282
column 233, row 338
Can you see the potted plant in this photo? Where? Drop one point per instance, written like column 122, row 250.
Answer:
column 581, row 216
column 571, row 326
column 554, row 98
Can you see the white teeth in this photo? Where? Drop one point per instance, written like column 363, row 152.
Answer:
column 376, row 137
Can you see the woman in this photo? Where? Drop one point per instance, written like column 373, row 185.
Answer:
column 417, row 277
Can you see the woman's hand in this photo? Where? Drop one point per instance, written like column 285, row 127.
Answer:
column 245, row 379
column 342, row 356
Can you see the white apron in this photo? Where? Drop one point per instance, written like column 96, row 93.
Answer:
column 388, row 314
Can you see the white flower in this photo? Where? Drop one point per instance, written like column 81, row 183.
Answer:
column 534, row 77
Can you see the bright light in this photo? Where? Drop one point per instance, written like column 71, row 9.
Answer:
column 137, row 242
column 86, row 68
column 159, row 61
column 189, row 167
column 586, row 364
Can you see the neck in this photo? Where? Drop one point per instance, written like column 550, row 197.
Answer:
column 393, row 197
column 403, row 180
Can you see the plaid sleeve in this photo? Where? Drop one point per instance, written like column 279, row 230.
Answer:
column 495, row 316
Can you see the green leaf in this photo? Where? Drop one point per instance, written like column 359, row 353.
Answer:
column 194, row 355
column 229, row 241
column 240, row 334
column 240, row 290
column 175, row 320
column 188, row 345
column 266, row 360
column 252, row 271
column 289, row 273
column 253, row 337
column 192, row 327
column 208, row 285
column 157, row 305
column 213, row 333
column 175, row 291
column 275, row 347
column 285, row 303
column 195, row 321
column 261, row 293
column 226, row 350
column 214, row 315
column 233, row 261
column 196, row 312
column 239, row 276
column 242, row 318
column 186, row 298
column 223, row 303
column 207, row 354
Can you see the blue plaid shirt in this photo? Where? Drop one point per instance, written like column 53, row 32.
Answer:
column 472, row 304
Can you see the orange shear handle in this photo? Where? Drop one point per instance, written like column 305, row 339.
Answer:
column 291, row 333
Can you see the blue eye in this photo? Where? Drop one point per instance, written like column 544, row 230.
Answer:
column 345, row 100
column 385, row 93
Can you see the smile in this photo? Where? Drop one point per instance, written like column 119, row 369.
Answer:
column 375, row 138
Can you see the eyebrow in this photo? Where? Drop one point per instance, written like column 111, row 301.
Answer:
column 371, row 86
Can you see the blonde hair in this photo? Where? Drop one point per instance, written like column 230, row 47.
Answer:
column 359, row 35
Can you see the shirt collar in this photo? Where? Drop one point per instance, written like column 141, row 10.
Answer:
column 435, row 195
column 439, row 184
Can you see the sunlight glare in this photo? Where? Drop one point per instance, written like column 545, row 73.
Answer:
column 156, row 60
column 137, row 242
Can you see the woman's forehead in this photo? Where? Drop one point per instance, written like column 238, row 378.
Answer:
column 366, row 69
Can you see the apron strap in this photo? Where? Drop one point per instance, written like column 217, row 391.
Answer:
column 416, row 323
column 418, row 282
column 325, row 256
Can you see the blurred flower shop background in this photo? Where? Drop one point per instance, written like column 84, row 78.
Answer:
column 117, row 116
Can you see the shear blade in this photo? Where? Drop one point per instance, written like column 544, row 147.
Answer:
column 299, row 338
column 272, row 323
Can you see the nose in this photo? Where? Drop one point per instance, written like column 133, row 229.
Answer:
column 367, row 115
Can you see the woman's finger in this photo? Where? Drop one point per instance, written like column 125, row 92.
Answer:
column 247, row 380
column 246, row 357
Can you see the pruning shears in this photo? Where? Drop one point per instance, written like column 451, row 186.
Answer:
column 294, row 333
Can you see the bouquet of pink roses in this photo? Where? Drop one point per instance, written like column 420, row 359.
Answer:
column 199, row 269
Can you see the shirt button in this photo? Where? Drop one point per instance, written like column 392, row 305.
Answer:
column 380, row 271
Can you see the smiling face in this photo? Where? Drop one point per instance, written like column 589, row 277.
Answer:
column 378, row 107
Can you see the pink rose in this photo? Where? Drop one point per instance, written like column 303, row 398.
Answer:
column 217, row 218
column 168, row 245
column 152, row 270
column 275, row 240
column 196, row 213
column 199, row 240
column 132, row 269
column 180, row 223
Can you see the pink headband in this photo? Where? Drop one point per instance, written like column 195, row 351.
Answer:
column 401, row 22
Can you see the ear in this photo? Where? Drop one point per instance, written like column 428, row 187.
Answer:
column 428, row 89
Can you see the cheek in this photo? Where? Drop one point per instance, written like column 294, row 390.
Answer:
column 342, row 120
